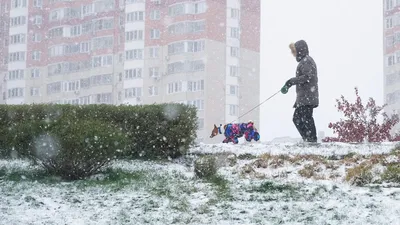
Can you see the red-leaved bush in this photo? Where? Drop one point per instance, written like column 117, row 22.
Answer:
column 360, row 123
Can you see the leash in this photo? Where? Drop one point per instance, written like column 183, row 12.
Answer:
column 257, row 106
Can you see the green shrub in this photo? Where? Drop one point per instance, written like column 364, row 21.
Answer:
column 154, row 131
column 69, row 150
column 205, row 166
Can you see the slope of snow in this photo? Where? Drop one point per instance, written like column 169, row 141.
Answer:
column 325, row 149
column 168, row 193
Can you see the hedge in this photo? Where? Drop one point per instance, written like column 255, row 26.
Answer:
column 152, row 131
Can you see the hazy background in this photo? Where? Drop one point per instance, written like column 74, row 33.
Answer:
column 345, row 40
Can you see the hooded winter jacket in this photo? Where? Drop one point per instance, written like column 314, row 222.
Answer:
column 306, row 79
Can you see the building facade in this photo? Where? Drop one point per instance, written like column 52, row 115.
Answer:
column 204, row 53
column 391, row 48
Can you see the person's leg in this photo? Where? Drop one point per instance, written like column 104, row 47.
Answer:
column 309, row 125
column 298, row 121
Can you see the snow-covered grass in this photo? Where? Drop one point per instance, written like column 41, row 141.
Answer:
column 151, row 192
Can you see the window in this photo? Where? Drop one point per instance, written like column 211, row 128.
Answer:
column 187, row 27
column 186, row 46
column 85, row 100
column 198, row 7
column 196, row 85
column 234, row 51
column 195, row 46
column 87, row 10
column 200, row 123
column 104, row 6
column 55, row 15
column 36, row 37
column 154, row 34
column 389, row 41
column 72, row 49
column 71, row 86
column 134, row 35
column 153, row 72
column 233, row 90
column 75, row 30
column 176, row 48
column 174, row 87
column 36, row 55
column 154, row 52
column 389, row 23
column 104, row 98
column 37, row 3
column 234, row 32
column 56, row 32
column 18, row 4
column 199, row 104
column 234, row 71
column 153, row 91
column 133, row 1
column 53, row 88
column 37, row 20
column 57, row 50
column 235, row 13
column 72, row 13
column 102, row 61
column 390, row 60
column 17, row 39
column 177, row 9
column 187, row 8
column 16, row 56
column 35, row 91
column 35, row 73
column 133, row 92
column 103, row 24
column 134, row 54
column 155, row 15
column 87, row 27
column 16, row 75
column 186, row 66
column 133, row 73
column 85, row 47
column 17, row 21
column 389, row 4
column 103, row 43
column 134, row 16
column 15, row 92
column 233, row 110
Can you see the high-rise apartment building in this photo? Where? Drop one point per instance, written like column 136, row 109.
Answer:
column 391, row 49
column 200, row 52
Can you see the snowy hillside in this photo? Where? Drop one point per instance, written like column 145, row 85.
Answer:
column 268, row 184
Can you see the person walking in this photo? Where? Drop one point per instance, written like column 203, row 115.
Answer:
column 307, row 99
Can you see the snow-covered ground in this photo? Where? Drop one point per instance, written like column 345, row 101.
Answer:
column 169, row 193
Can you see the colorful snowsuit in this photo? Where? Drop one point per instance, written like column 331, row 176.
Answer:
column 237, row 130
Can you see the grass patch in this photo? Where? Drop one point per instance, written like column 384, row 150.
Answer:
column 116, row 178
column 246, row 156
column 271, row 187
column 28, row 176
column 222, row 186
column 392, row 174
column 360, row 175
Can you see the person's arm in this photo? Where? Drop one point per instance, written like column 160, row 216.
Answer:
column 305, row 78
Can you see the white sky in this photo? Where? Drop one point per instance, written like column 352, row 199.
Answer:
column 345, row 40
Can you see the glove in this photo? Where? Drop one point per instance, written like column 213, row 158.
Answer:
column 284, row 89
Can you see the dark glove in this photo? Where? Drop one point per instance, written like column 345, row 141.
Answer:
column 286, row 87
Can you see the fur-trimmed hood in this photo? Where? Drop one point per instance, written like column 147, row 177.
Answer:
column 301, row 50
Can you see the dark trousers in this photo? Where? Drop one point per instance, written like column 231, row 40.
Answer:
column 304, row 121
